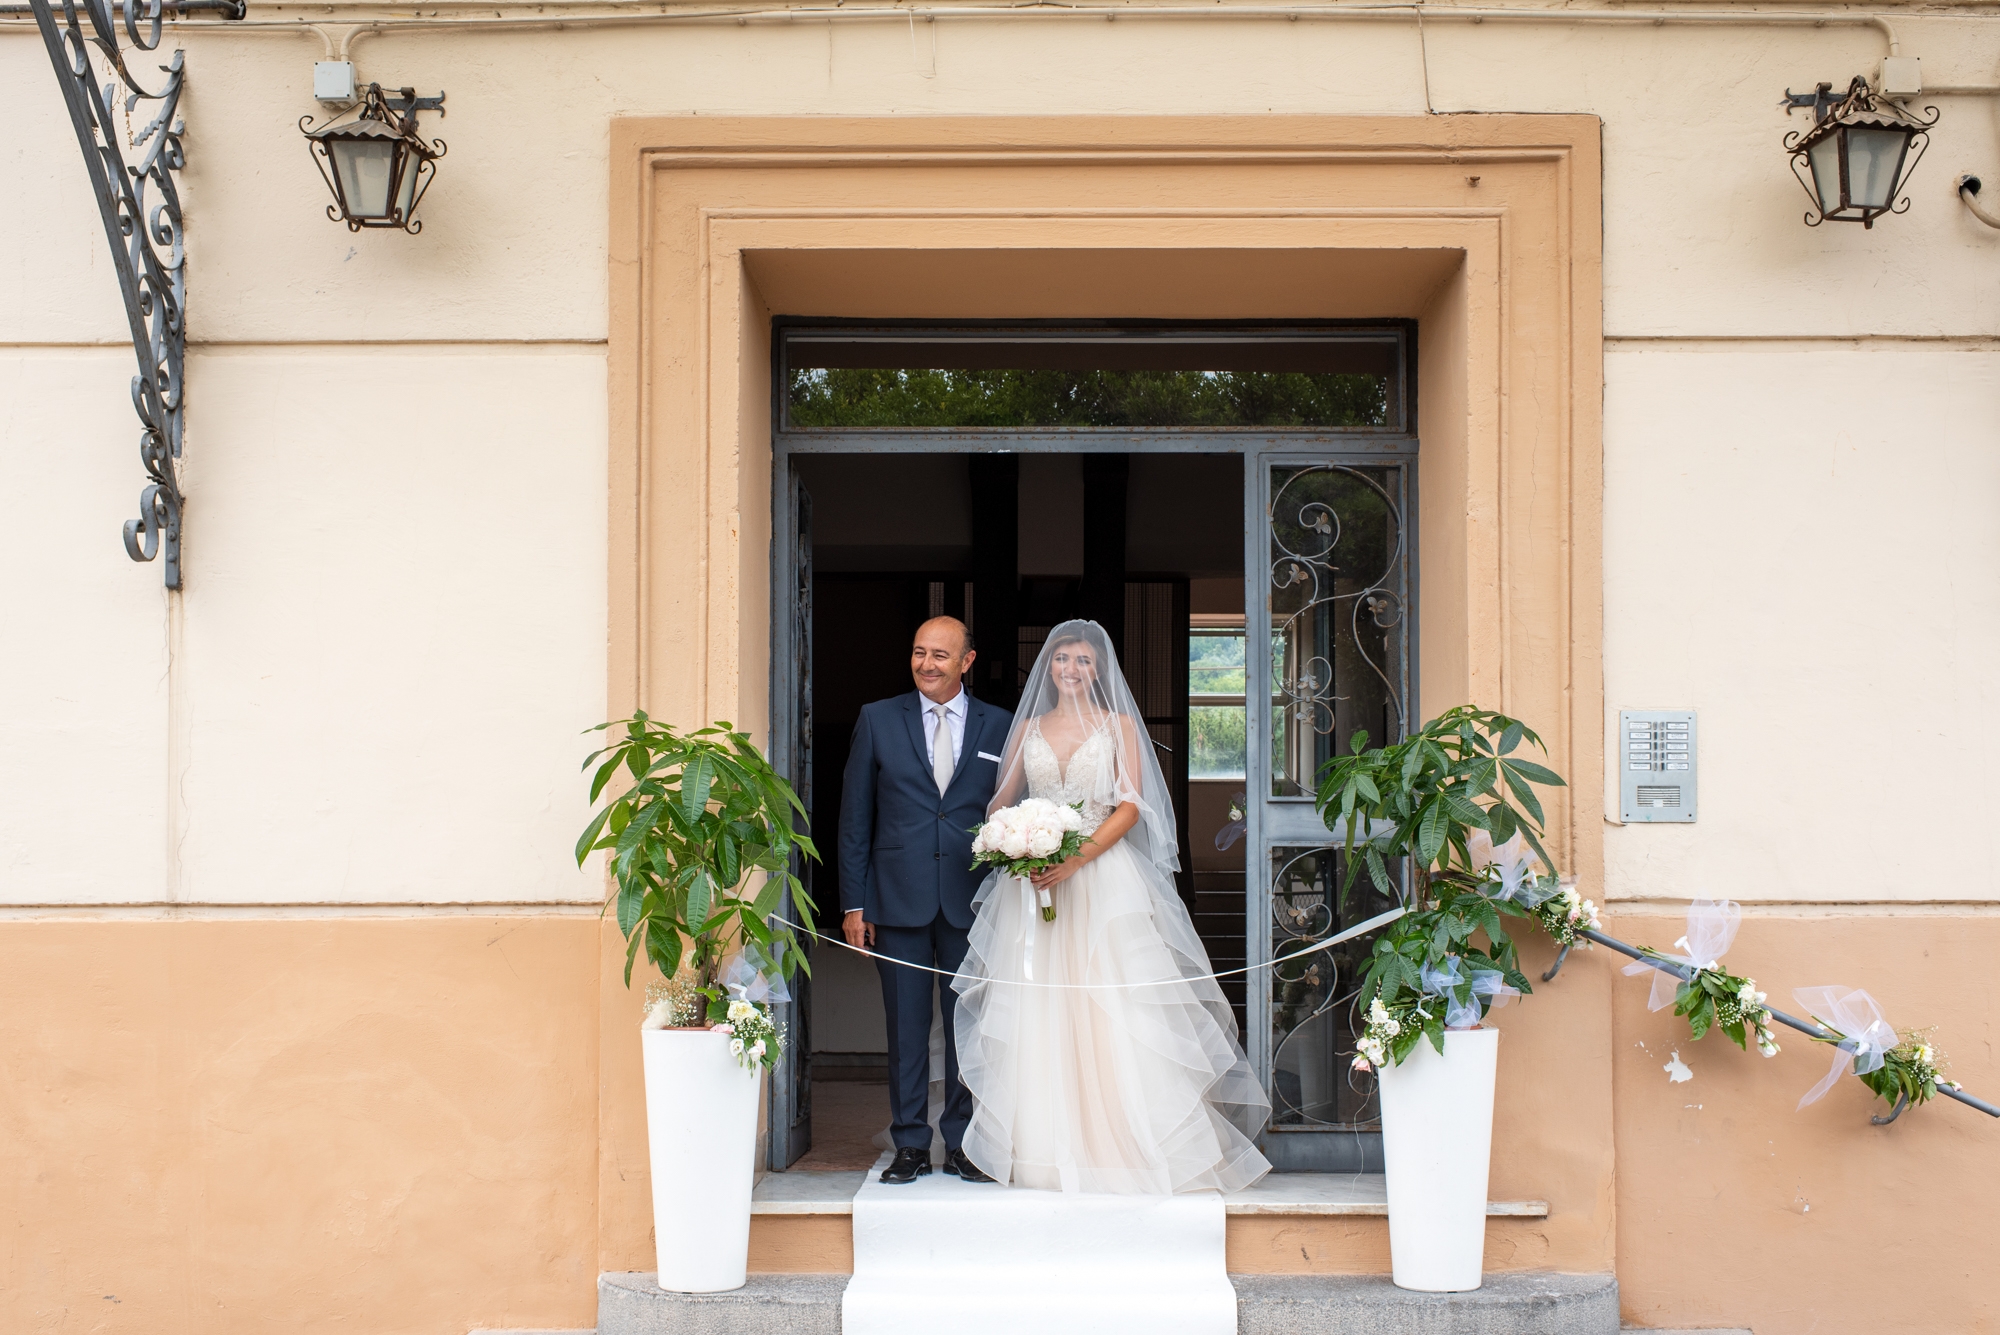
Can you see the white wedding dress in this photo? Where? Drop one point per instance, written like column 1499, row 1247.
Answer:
column 1134, row 1085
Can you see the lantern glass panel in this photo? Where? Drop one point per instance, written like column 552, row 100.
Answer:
column 406, row 192
column 1874, row 157
column 366, row 168
column 1825, row 159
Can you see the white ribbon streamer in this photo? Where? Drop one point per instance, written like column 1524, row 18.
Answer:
column 1852, row 1012
column 1711, row 931
column 1359, row 929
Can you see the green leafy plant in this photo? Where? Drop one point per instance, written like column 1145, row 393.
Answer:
column 1449, row 958
column 703, row 814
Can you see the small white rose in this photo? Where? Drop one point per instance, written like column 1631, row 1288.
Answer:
column 1392, row 1028
column 736, row 1047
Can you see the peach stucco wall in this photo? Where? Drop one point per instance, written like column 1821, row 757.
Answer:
column 218, row 1127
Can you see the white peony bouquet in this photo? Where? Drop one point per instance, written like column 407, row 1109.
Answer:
column 1028, row 837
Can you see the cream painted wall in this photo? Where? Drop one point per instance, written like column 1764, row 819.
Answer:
column 303, row 535
column 83, row 726
column 1798, row 543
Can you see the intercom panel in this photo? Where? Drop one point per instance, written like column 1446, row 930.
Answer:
column 1656, row 765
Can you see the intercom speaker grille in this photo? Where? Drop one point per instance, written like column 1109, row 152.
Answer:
column 1659, row 795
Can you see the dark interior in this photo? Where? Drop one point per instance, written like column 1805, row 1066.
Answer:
column 1145, row 544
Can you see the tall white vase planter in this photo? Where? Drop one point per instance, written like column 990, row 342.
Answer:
column 1437, row 1144
column 701, row 1134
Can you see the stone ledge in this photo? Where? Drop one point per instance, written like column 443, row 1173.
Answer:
column 1531, row 1303
column 1296, row 1194
column 632, row 1303
column 1534, row 1303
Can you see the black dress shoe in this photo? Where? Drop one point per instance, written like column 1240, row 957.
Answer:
column 963, row 1168
column 908, row 1165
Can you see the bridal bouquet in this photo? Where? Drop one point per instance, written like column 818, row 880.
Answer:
column 1028, row 837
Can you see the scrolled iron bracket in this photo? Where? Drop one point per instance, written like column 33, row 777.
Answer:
column 139, row 203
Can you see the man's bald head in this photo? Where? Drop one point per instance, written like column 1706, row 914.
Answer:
column 939, row 656
column 950, row 625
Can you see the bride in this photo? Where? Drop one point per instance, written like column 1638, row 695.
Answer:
column 1099, row 1055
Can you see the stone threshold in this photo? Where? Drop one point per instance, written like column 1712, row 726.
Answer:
column 1297, row 1194
column 1517, row 1303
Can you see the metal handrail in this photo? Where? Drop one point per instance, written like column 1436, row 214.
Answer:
column 1686, row 973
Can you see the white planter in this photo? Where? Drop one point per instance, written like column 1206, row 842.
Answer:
column 701, row 1130
column 1437, row 1143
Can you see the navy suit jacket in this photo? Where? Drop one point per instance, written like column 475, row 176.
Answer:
column 906, row 852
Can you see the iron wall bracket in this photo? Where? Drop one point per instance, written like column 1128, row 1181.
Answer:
column 139, row 203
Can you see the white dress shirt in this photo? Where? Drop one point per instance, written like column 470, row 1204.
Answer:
column 954, row 711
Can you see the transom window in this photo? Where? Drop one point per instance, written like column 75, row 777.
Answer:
column 1106, row 379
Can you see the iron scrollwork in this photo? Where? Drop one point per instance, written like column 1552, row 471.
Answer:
column 1306, row 535
column 140, row 205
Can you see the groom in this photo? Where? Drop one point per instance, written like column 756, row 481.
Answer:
column 922, row 769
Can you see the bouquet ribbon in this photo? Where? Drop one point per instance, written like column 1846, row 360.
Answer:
column 1711, row 931
column 754, row 976
column 1869, row 1035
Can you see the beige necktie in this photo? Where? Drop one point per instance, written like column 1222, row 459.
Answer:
column 941, row 765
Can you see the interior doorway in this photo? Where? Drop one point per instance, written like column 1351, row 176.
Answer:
column 1149, row 545
column 1236, row 506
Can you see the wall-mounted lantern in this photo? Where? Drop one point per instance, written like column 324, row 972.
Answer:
column 377, row 165
column 1855, row 158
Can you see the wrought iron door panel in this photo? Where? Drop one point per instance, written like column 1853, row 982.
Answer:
column 1336, row 555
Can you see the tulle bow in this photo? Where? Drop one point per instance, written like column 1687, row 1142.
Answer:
column 1518, row 881
column 753, row 975
column 1711, row 931
column 1444, row 982
column 1855, row 1014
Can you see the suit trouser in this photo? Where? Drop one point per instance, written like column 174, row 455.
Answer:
column 906, row 1003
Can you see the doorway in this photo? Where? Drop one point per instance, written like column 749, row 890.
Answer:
column 1197, row 492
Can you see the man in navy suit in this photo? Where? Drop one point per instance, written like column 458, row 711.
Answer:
column 922, row 769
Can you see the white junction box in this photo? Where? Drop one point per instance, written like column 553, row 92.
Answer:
column 333, row 80
column 1901, row 76
column 1656, row 765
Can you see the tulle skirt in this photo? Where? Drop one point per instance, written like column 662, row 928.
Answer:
column 1113, row 1089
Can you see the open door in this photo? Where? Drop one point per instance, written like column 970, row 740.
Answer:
column 792, row 750
column 1332, row 594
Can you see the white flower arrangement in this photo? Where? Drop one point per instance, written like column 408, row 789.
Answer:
column 1028, row 837
column 754, row 1039
column 1371, row 1050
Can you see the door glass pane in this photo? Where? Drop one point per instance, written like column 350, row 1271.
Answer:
column 1339, row 635
column 1314, row 1015
column 1112, row 380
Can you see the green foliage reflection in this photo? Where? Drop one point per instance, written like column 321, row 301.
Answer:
column 859, row 397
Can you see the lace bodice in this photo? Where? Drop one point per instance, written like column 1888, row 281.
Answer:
column 1048, row 778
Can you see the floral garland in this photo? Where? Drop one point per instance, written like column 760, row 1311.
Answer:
column 1913, row 1069
column 1553, row 902
column 1714, row 998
